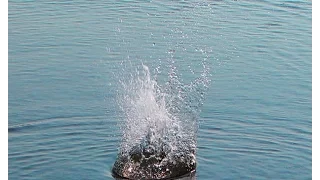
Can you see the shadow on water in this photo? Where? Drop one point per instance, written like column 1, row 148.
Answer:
column 188, row 176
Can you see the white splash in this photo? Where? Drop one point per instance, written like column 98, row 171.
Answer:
column 164, row 114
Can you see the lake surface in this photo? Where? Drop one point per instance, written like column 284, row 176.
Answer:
column 64, row 64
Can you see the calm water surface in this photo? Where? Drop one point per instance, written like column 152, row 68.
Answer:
column 63, row 62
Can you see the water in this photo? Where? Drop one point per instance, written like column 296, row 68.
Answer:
column 64, row 64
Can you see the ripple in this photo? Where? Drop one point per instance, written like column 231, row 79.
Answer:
column 39, row 144
column 51, row 123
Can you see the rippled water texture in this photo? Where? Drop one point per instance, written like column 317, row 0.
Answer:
column 64, row 64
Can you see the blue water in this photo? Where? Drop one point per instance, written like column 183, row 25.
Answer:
column 64, row 64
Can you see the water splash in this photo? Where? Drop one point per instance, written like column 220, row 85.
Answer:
column 161, row 122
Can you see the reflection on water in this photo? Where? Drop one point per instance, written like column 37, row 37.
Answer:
column 189, row 176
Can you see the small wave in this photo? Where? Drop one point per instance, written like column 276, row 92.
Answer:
column 48, row 121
